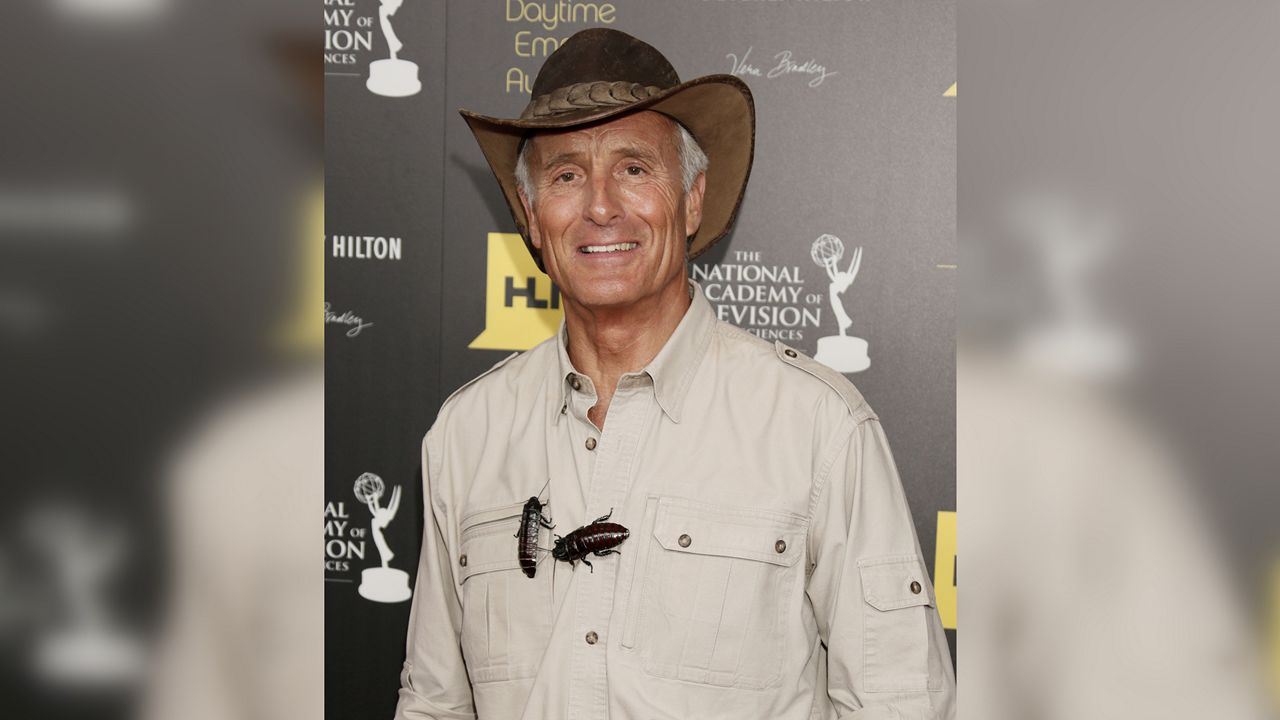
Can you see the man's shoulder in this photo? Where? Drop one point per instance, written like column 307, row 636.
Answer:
column 798, row 372
column 511, row 375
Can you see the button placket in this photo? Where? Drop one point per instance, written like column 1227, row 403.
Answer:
column 607, row 488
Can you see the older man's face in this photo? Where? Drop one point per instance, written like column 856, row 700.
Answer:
column 610, row 215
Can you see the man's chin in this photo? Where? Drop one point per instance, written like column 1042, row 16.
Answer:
column 608, row 298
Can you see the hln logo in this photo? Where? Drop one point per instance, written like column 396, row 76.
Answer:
column 1275, row 632
column 944, row 568
column 521, row 306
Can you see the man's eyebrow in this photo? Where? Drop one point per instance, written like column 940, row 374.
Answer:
column 631, row 150
column 640, row 152
column 559, row 158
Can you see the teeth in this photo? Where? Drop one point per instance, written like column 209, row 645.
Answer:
column 610, row 248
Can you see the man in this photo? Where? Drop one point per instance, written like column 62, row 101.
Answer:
column 771, row 568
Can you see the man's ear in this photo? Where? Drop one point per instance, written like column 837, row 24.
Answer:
column 531, row 221
column 693, row 205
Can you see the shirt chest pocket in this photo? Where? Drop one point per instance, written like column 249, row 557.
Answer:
column 713, row 590
column 506, row 616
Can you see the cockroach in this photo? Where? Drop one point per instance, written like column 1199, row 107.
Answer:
column 599, row 539
column 527, row 538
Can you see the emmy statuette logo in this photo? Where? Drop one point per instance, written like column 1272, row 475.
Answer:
column 1071, row 244
column 381, row 584
column 392, row 77
column 843, row 353
column 88, row 647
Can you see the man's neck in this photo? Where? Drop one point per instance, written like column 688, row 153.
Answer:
column 607, row 343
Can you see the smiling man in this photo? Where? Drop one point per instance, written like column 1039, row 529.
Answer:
column 770, row 567
column 610, row 212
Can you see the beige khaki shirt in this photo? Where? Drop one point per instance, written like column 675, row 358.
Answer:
column 772, row 568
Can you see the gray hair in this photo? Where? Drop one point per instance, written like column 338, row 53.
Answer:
column 692, row 161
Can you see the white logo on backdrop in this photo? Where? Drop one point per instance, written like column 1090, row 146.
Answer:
column 844, row 353
column 381, row 584
column 367, row 247
column 355, row 324
column 89, row 649
column 785, row 64
column 113, row 11
column 392, row 77
column 1071, row 243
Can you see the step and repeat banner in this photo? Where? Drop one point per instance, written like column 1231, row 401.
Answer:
column 844, row 248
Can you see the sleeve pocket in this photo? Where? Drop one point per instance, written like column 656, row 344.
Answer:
column 896, row 614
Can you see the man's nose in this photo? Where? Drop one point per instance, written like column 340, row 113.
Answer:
column 603, row 205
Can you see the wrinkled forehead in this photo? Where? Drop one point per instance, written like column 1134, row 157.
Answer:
column 644, row 128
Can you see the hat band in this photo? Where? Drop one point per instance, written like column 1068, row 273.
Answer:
column 580, row 96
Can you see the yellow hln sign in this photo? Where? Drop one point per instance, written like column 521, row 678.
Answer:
column 1275, row 633
column 521, row 306
column 305, row 329
column 944, row 568
column 951, row 91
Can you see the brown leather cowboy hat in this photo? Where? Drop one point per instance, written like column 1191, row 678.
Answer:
column 598, row 74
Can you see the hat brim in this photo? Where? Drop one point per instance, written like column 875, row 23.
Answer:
column 716, row 109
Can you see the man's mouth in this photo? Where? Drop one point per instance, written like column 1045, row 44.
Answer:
column 616, row 247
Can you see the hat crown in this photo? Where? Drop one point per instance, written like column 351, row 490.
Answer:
column 604, row 55
column 600, row 74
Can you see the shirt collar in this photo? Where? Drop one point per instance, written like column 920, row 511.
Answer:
column 567, row 372
column 672, row 369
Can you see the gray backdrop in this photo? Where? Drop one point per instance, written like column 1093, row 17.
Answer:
column 855, row 139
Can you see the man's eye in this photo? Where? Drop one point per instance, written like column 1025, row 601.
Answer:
column 566, row 176
column 635, row 170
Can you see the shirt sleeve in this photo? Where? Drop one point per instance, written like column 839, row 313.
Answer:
column 887, row 654
column 434, row 683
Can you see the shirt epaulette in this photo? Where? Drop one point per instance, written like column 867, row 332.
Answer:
column 476, row 379
column 853, row 399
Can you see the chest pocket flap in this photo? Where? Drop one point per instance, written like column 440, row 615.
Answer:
column 488, row 542
column 683, row 526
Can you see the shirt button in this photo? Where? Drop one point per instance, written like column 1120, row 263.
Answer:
column 684, row 540
column 462, row 560
column 592, row 638
column 575, row 383
column 915, row 588
column 780, row 546
column 591, row 443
